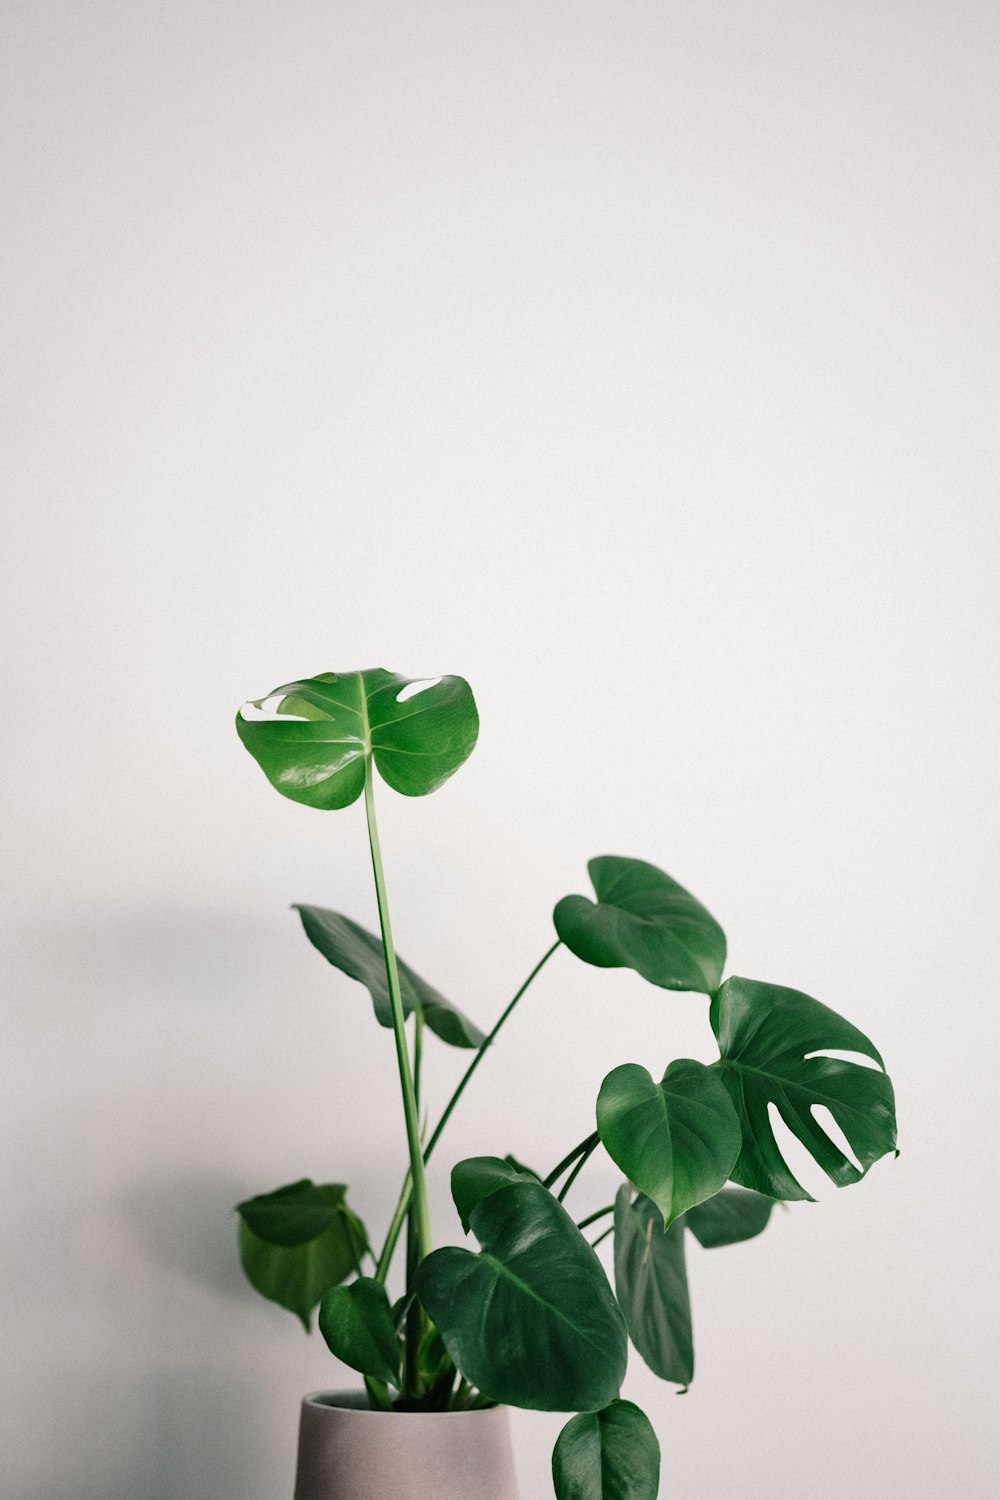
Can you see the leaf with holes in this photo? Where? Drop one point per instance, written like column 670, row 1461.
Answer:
column 314, row 749
column 645, row 921
column 768, row 1037
column 677, row 1140
column 356, row 1322
column 607, row 1455
column 652, row 1287
column 732, row 1216
column 359, row 954
column 298, row 1241
column 531, row 1320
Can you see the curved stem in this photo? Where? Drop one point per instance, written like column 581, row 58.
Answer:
column 587, row 1144
column 593, row 1218
column 585, row 1156
column 421, row 1212
column 399, row 1215
column 594, row 1243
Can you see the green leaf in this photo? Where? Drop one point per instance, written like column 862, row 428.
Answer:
column 730, row 1217
column 651, row 1282
column 607, row 1455
column 359, row 954
column 315, row 750
column 530, row 1321
column 294, row 1214
column 677, row 1140
column 356, row 1322
column 287, row 1269
column 477, row 1176
column 765, row 1035
column 645, row 921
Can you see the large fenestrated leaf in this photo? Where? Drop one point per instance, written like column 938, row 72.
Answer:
column 607, row 1455
column 677, row 1140
column 530, row 1320
column 357, row 1323
column 643, row 920
column 651, row 1282
column 730, row 1217
column 766, row 1036
column 358, row 953
column 314, row 751
column 290, row 1270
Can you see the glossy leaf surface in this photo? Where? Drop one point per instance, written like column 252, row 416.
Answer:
column 530, row 1320
column 356, row 1322
column 315, row 750
column 765, row 1034
column 643, row 920
column 652, row 1287
column 677, row 1140
column 358, row 953
column 296, row 1274
column 296, row 1213
column 730, row 1217
column 607, row 1455
column 477, row 1176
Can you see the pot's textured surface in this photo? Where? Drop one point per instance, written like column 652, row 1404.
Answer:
column 349, row 1452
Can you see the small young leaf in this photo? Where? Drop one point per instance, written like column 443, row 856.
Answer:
column 651, row 1282
column 530, row 1321
column 478, row 1176
column 730, row 1217
column 359, row 954
column 766, row 1034
column 645, row 921
column 607, row 1455
column 356, row 1322
column 677, row 1140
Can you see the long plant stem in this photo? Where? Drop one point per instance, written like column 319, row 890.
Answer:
column 587, row 1144
column 395, row 1227
column 584, row 1157
column 421, row 1213
column 593, row 1218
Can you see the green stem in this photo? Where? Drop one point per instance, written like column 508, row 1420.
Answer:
column 593, row 1218
column 587, row 1144
column 585, row 1156
column 594, row 1243
column 421, row 1211
column 391, row 1239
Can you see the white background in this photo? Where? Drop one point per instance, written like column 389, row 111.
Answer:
column 638, row 362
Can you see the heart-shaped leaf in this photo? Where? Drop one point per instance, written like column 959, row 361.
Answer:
column 677, row 1140
column 607, row 1455
column 477, row 1176
column 651, row 1282
column 767, row 1035
column 530, row 1321
column 359, row 954
column 287, row 1268
column 356, row 1322
column 315, row 750
column 730, row 1217
column 645, row 921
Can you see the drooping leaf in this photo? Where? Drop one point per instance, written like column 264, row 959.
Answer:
column 290, row 1270
column 730, row 1217
column 530, row 1321
column 766, row 1036
column 651, row 1282
column 356, row 1322
column 293, row 1214
column 477, row 1176
column 645, row 921
column 677, row 1140
column 358, row 953
column 607, row 1455
column 315, row 750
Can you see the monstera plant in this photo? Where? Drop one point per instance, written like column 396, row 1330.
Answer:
column 528, row 1316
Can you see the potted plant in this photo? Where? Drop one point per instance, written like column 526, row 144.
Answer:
column 528, row 1316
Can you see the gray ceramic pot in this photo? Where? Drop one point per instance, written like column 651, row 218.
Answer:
column 349, row 1452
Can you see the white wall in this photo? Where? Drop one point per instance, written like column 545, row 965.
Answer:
column 637, row 361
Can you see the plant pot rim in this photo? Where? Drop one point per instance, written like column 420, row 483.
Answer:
column 357, row 1403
